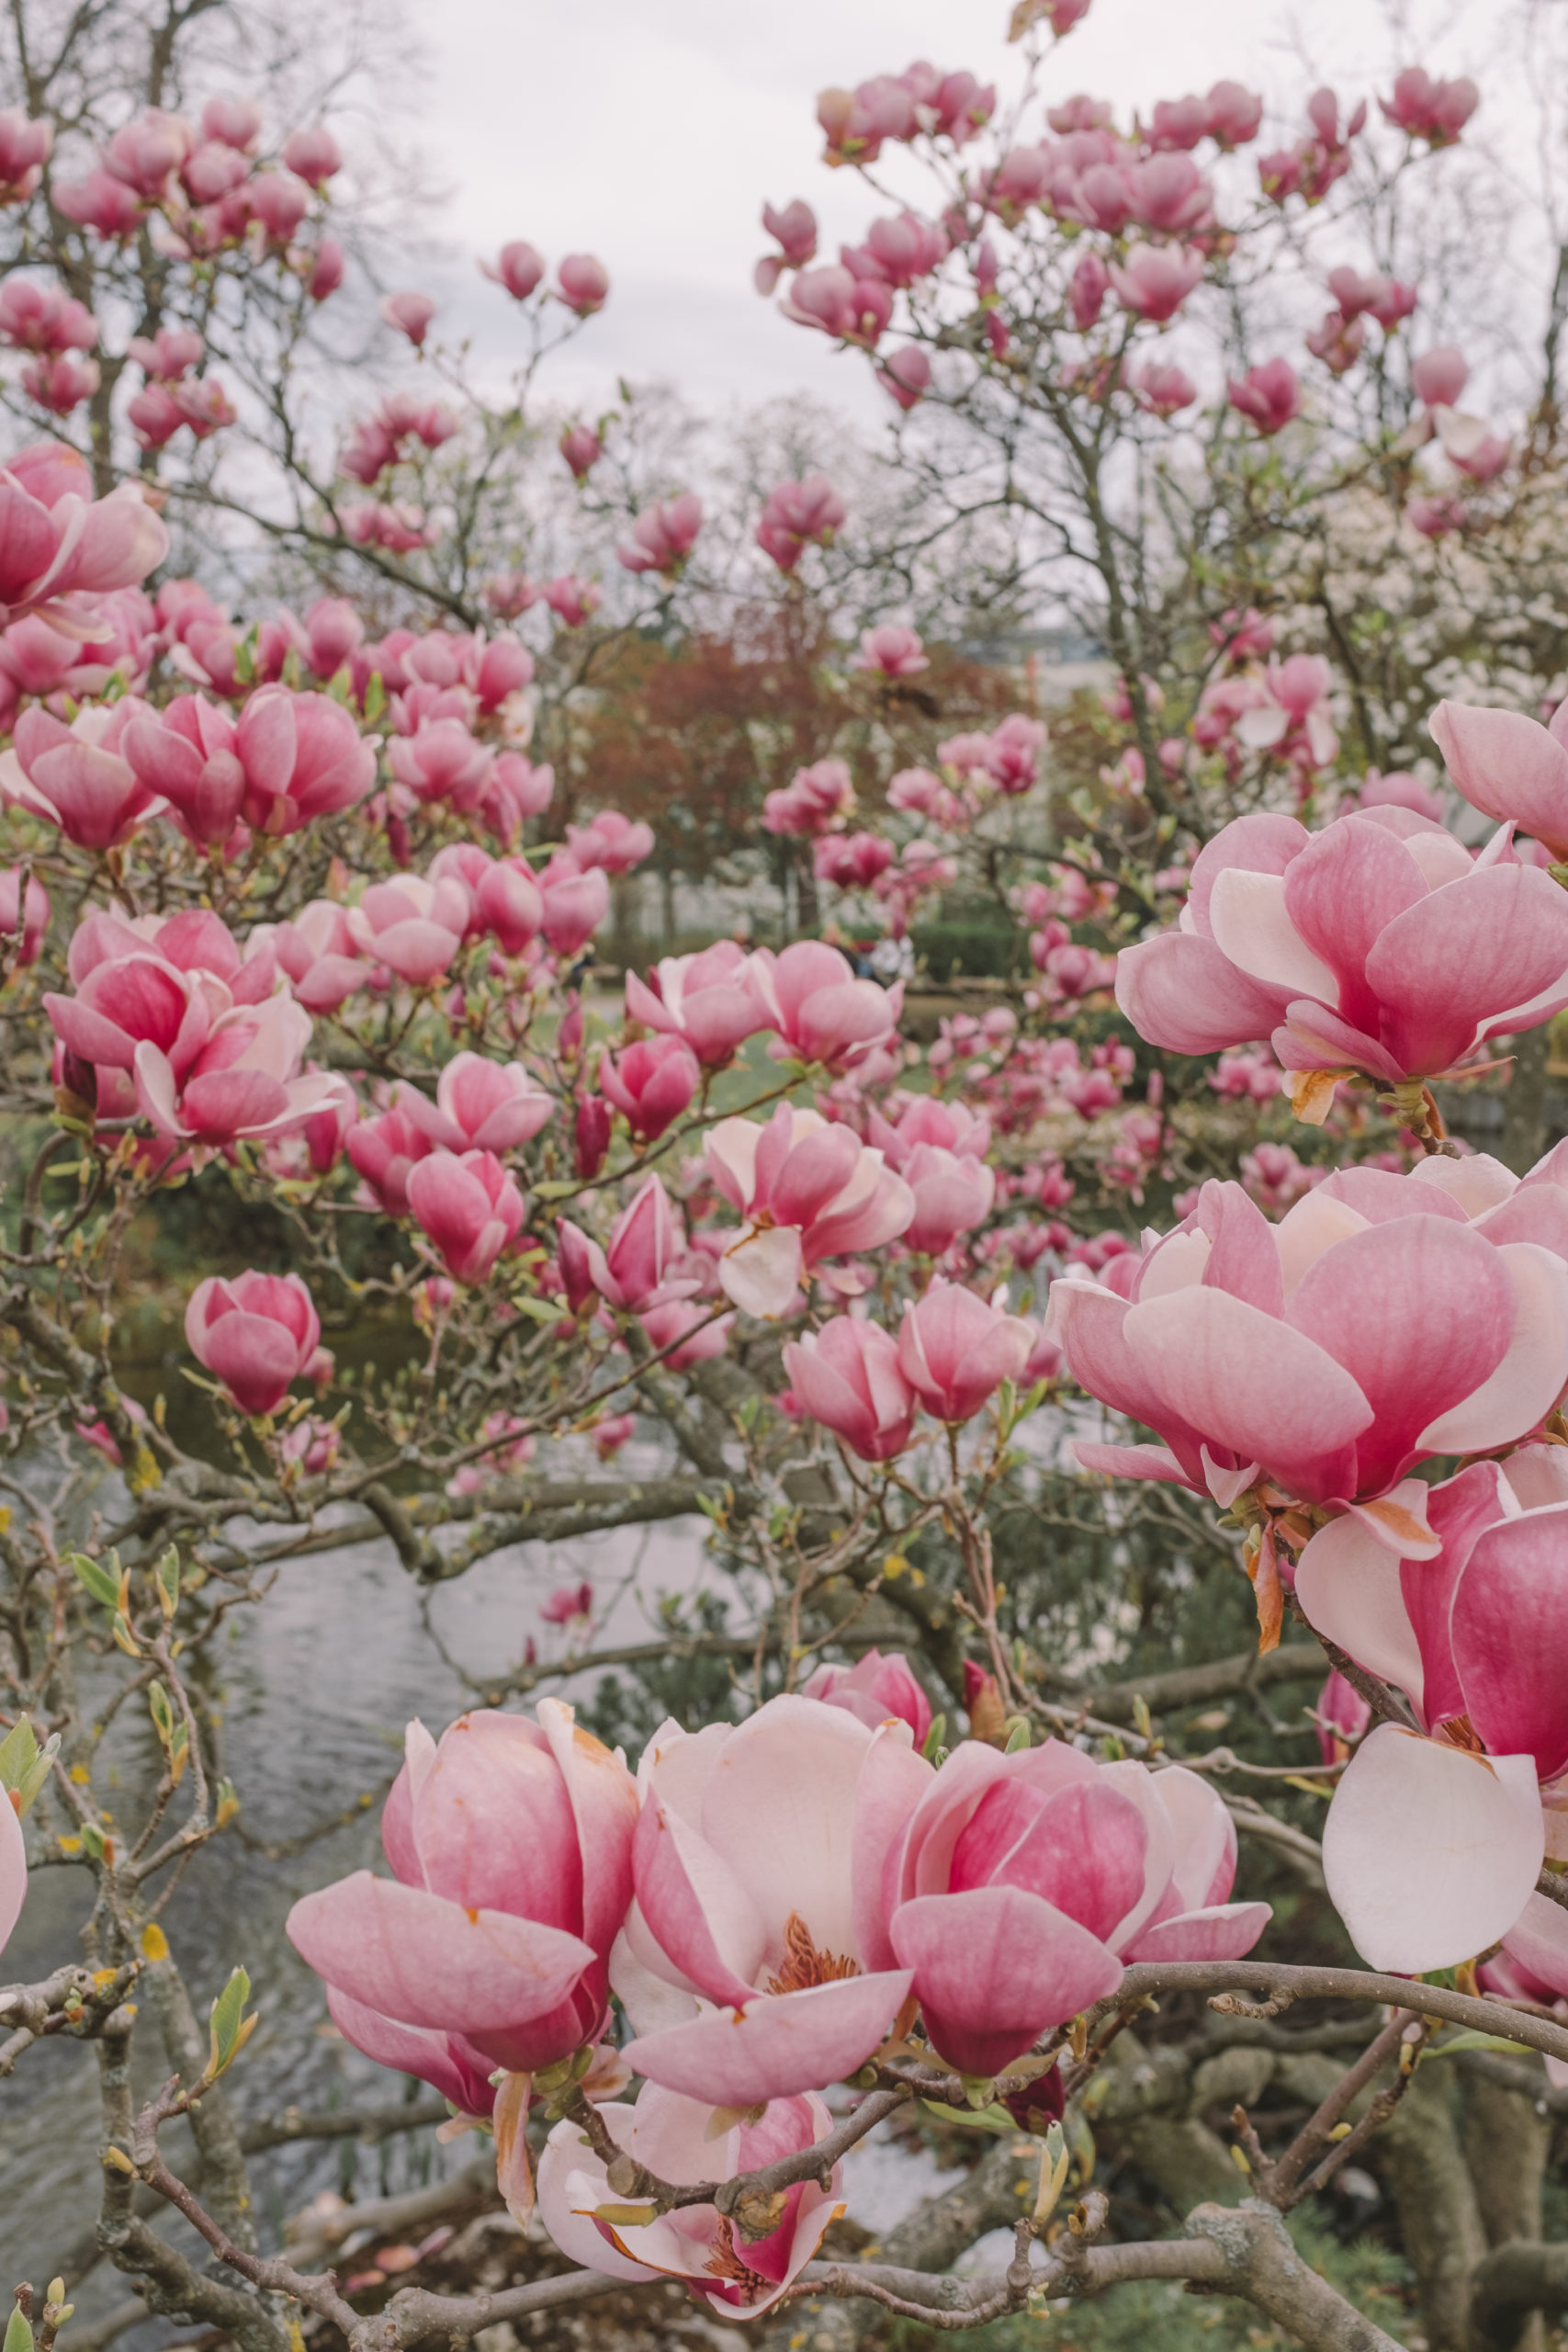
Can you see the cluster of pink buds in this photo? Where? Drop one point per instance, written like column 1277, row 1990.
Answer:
column 1311, row 168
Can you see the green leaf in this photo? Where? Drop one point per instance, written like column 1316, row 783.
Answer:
column 167, row 1577
column 375, row 698
column 541, row 1310
column 161, row 1711
column 934, row 1738
column 994, row 2118
column 1468, row 2039
column 18, row 1754
column 1018, row 1737
column 18, row 2334
column 96, row 1578
column 230, row 2026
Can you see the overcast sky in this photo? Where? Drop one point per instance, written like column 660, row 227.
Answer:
column 651, row 132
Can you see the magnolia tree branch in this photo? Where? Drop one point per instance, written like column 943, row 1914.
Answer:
column 1281, row 1984
column 76, row 2001
column 1245, row 2251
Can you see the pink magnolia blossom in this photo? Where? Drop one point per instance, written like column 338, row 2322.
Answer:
column 1440, row 375
column 847, row 1377
column 77, row 777
column 185, row 754
column 56, row 538
column 821, row 1012
column 710, row 999
column 1025, row 1883
column 1469, row 443
column 952, row 1195
column 384, row 1152
column 674, row 2136
column 1342, row 1715
column 25, row 149
column 469, row 1206
column 233, row 122
column 441, row 762
column 1088, row 289
column 1235, row 115
column 1155, row 280
column 243, row 1081
column 851, row 861
column 510, row 903
column 816, row 800
column 1338, row 341
column 634, row 1271
column 1425, row 108
column 258, row 1333
column 1508, row 766
column 314, row 155
column 516, row 791
column 409, row 313
column 956, row 1349
column 684, row 1332
column 61, row 383
column 584, row 284
column 281, row 202
column 808, row 1191
column 101, row 202
column 926, row 1119
column 759, row 1852
column 1376, row 944
column 892, row 651
column 413, row 927
column 323, row 266
column 519, row 266
column 145, row 153
column 905, row 376
column 572, row 600
column 874, row 1689
column 1373, row 1327
column 799, row 514
column 22, row 912
column 479, row 1106
column 214, row 170
column 611, row 841
column 581, row 448
column 317, row 950
column 1474, row 1639
column 566, row 1603
column 834, row 301
column 43, row 318
column 663, row 536
column 1163, row 391
column 650, row 1083
column 794, row 227
column 575, row 904
column 510, row 1843
column 1269, row 395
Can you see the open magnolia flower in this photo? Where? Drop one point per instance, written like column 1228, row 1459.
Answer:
column 1436, row 1837
column 1025, row 1883
column 680, row 2138
column 758, row 1860
column 1378, row 944
column 808, row 1191
column 1376, row 1325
